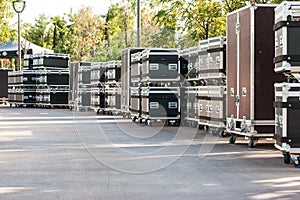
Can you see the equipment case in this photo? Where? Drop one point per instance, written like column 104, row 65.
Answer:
column 113, row 73
column 287, row 115
column 287, row 40
column 212, row 108
column 135, row 103
column 50, row 61
column 125, row 79
column 192, row 116
column 160, row 65
column 161, row 103
column 3, row 85
column 250, row 72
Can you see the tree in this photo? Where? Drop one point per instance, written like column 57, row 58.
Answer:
column 87, row 34
column 6, row 33
column 118, row 32
column 200, row 19
column 62, row 35
column 39, row 33
column 204, row 19
column 155, row 35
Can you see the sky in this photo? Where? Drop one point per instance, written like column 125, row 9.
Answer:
column 59, row 7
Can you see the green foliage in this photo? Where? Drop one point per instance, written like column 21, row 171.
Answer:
column 199, row 19
column 87, row 34
column 232, row 5
column 39, row 33
column 118, row 31
column 209, row 21
column 89, row 37
column 61, row 41
column 6, row 13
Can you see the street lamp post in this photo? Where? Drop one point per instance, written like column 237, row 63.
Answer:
column 19, row 6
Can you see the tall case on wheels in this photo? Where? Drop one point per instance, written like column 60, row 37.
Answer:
column 287, row 115
column 250, row 73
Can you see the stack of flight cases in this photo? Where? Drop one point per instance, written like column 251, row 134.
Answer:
column 4, row 86
column 250, row 74
column 189, row 101
column 84, row 86
column 205, row 85
column 113, row 88
column 135, row 86
column 98, row 86
column 287, row 95
column 28, row 62
column 73, row 85
column 212, row 92
column 52, row 79
column 22, row 88
column 126, row 79
column 155, row 88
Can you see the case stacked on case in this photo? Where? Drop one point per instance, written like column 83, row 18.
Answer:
column 287, row 95
column 155, row 89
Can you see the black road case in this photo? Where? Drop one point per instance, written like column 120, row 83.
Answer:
column 191, row 56
column 287, row 38
column 136, row 69
column 113, row 73
column 50, row 61
column 51, row 97
column 113, row 100
column 287, row 115
column 160, row 65
column 22, row 88
column 52, row 87
column 3, row 85
column 161, row 103
column 53, row 77
column 98, row 86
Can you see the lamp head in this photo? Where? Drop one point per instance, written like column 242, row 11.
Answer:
column 19, row 5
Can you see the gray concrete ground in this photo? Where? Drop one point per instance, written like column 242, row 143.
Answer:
column 57, row 154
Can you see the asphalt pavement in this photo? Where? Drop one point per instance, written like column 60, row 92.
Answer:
column 60, row 154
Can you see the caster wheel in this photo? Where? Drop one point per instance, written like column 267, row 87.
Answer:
column 134, row 119
column 148, row 123
column 232, row 139
column 252, row 143
column 222, row 133
column 287, row 158
column 207, row 130
column 296, row 162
